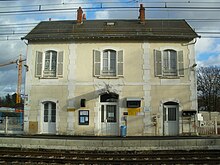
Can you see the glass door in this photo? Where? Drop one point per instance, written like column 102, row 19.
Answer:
column 49, row 118
column 171, row 120
column 109, row 119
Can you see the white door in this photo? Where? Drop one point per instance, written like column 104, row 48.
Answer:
column 171, row 120
column 109, row 119
column 49, row 118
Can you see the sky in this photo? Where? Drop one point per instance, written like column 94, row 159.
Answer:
column 18, row 17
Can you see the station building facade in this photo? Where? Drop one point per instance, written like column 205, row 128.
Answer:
column 90, row 77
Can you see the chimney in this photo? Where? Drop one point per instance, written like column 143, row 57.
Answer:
column 79, row 16
column 84, row 17
column 142, row 13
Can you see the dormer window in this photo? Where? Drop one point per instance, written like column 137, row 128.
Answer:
column 110, row 23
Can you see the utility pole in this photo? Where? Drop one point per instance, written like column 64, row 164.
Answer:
column 19, row 65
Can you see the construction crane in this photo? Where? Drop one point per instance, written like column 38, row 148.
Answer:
column 19, row 66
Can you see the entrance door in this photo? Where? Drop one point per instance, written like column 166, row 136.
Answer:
column 49, row 118
column 171, row 120
column 109, row 119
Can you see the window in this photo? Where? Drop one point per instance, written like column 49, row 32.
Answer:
column 168, row 63
column 49, row 64
column 83, row 117
column 108, row 63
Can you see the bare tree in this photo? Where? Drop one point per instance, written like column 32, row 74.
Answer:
column 208, row 81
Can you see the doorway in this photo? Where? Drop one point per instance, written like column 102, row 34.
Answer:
column 49, row 118
column 171, row 119
column 109, row 114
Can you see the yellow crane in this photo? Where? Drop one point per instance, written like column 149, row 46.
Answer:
column 19, row 67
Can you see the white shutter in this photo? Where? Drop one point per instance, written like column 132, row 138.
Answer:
column 60, row 64
column 96, row 63
column 38, row 64
column 158, row 63
column 120, row 60
column 180, row 63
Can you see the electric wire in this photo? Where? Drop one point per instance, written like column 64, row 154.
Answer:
column 15, row 29
column 183, row 8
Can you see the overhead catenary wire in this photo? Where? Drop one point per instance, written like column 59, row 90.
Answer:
column 110, row 2
column 24, row 28
column 194, row 8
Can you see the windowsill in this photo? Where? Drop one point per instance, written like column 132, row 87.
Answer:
column 170, row 77
column 109, row 77
column 48, row 77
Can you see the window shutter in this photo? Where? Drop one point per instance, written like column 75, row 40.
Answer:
column 157, row 63
column 38, row 65
column 180, row 63
column 60, row 64
column 96, row 63
column 120, row 60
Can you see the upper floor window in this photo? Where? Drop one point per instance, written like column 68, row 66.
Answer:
column 168, row 63
column 49, row 64
column 108, row 63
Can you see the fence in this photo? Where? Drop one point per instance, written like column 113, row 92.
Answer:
column 11, row 125
column 208, row 128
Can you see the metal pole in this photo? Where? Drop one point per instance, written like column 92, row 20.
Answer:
column 216, row 126
column 6, row 124
column 19, row 63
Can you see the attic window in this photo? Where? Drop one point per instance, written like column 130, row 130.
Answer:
column 110, row 23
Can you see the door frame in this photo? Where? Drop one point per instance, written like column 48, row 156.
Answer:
column 166, row 123
column 117, row 118
column 41, row 117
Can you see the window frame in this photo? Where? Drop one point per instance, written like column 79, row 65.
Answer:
column 159, row 70
column 83, row 117
column 109, row 66
column 40, row 64
column 50, row 72
column 169, row 71
column 98, row 63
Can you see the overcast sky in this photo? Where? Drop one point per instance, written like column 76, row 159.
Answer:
column 16, row 17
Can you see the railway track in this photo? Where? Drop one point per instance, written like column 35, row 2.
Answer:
column 25, row 156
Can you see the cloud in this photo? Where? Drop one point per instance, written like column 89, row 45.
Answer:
column 207, row 49
column 205, row 45
column 211, row 61
column 101, row 15
column 208, row 52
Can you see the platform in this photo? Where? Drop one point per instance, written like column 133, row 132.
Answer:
column 110, row 143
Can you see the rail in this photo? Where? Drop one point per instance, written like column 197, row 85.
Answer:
column 109, row 157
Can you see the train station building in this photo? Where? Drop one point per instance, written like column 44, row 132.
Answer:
column 92, row 77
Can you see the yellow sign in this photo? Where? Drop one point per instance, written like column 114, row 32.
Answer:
column 71, row 109
column 133, row 111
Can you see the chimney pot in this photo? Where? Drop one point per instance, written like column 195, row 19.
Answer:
column 79, row 15
column 84, row 17
column 142, row 13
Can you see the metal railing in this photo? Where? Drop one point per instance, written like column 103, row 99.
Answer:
column 209, row 128
column 11, row 125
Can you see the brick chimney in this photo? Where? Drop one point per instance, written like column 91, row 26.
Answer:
column 84, row 17
column 79, row 16
column 142, row 13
